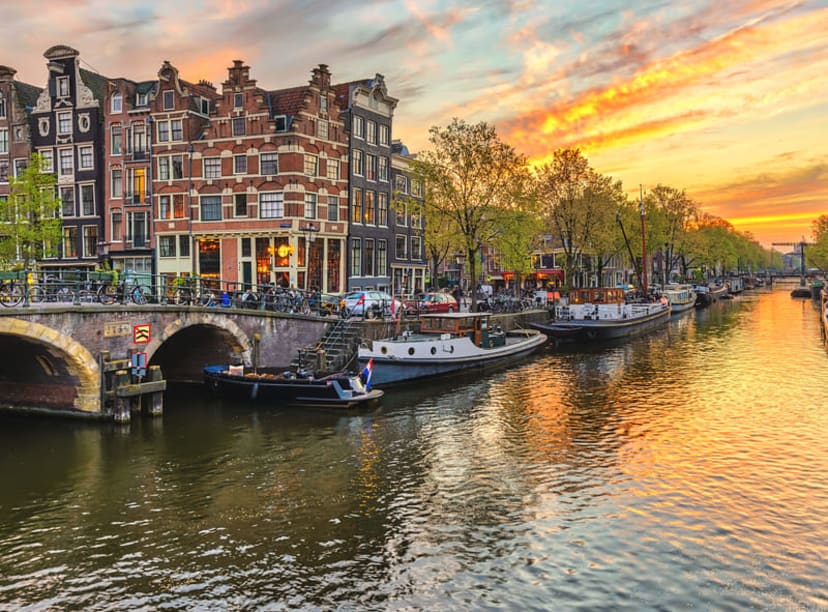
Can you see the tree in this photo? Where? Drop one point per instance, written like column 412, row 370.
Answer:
column 678, row 213
column 472, row 179
column 818, row 253
column 579, row 204
column 31, row 226
column 515, row 240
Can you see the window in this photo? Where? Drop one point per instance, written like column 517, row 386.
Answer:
column 268, row 163
column 170, row 167
column 417, row 219
column 323, row 104
column 310, row 206
column 271, row 205
column 117, row 103
column 401, row 183
column 163, row 168
column 211, row 208
column 70, row 241
column 382, row 258
column 169, row 100
column 368, row 267
column 63, row 86
column 238, row 126
column 356, row 257
column 177, row 166
column 280, row 123
column 166, row 246
column 212, row 167
column 240, row 205
column 177, row 129
column 384, row 135
column 90, row 240
column 4, row 141
column 356, row 205
column 20, row 165
column 401, row 213
column 358, row 125
column 371, row 167
column 332, row 169
column 116, row 139
column 138, row 138
column 369, row 207
column 417, row 188
column 382, row 209
column 67, row 162
column 141, row 99
column 238, row 100
column 137, row 184
column 322, row 130
column 2, row 107
column 87, row 194
column 19, row 134
column 67, row 201
column 4, row 171
column 164, row 207
column 48, row 162
column 163, row 131
column 357, row 162
column 64, row 123
column 137, row 228
column 416, row 252
column 184, row 246
column 117, row 226
column 401, row 246
column 371, row 136
column 333, row 208
column 240, row 164
column 179, row 210
column 382, row 172
column 311, row 163
column 86, row 160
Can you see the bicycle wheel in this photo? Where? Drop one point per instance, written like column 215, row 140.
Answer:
column 64, row 295
column 182, row 295
column 107, row 294
column 11, row 295
column 37, row 294
column 140, row 294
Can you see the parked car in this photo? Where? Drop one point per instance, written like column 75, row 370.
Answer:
column 429, row 303
column 370, row 304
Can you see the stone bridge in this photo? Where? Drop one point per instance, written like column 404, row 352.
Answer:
column 50, row 355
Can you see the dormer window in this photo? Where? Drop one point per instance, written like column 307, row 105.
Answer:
column 169, row 100
column 205, row 106
column 141, row 99
column 238, row 100
column 117, row 103
column 281, row 123
column 63, row 87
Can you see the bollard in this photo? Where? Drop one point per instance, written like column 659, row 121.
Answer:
column 156, row 407
column 122, row 404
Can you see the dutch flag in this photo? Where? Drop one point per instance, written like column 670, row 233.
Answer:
column 366, row 373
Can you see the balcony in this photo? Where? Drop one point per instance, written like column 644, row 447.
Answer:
column 137, row 155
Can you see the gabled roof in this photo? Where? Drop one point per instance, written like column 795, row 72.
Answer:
column 95, row 82
column 343, row 91
column 26, row 94
column 287, row 101
column 145, row 86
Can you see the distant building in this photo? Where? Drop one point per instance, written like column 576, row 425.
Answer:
column 408, row 264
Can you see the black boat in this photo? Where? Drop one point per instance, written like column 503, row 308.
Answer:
column 266, row 385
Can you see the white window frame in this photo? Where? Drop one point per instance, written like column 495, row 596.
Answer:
column 91, row 155
column 276, row 206
column 168, row 100
column 117, row 103
column 62, row 122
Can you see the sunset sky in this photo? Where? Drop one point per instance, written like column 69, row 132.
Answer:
column 726, row 99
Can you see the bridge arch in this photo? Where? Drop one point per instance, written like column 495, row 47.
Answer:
column 54, row 356
column 214, row 338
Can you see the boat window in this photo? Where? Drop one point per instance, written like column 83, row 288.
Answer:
column 433, row 350
column 411, row 351
column 384, row 350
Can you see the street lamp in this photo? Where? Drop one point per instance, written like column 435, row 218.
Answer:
column 460, row 258
column 310, row 231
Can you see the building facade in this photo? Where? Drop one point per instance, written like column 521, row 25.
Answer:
column 369, row 113
column 408, row 265
column 67, row 130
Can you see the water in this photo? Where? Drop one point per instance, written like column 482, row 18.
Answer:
column 684, row 469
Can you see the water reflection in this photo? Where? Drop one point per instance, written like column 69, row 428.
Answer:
column 683, row 468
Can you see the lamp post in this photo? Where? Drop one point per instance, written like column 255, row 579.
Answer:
column 310, row 231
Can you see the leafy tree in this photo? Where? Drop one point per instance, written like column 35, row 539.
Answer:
column 515, row 240
column 579, row 204
column 472, row 179
column 677, row 213
column 31, row 226
column 818, row 253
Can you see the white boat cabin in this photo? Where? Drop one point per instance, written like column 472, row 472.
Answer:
column 474, row 326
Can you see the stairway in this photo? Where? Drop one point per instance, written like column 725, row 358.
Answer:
column 335, row 351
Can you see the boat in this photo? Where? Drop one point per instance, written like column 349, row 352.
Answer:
column 446, row 343
column 602, row 314
column 266, row 385
column 681, row 297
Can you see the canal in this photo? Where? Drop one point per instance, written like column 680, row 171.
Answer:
column 684, row 469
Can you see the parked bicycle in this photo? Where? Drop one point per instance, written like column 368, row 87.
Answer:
column 123, row 291
column 12, row 291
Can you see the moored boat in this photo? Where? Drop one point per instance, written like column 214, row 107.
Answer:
column 446, row 343
column 602, row 314
column 265, row 385
column 681, row 297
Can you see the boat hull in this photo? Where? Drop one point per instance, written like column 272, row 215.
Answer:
column 339, row 390
column 597, row 330
column 683, row 307
column 394, row 370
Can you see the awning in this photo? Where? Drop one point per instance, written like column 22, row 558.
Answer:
column 557, row 273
